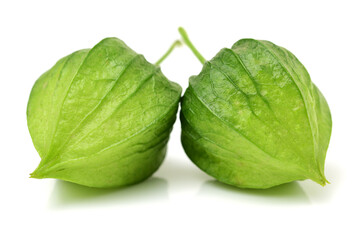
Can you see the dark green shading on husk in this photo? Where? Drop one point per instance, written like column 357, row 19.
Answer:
column 252, row 118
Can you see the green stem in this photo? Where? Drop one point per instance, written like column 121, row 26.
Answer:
column 175, row 44
column 187, row 41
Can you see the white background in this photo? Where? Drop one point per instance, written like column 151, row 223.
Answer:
column 179, row 201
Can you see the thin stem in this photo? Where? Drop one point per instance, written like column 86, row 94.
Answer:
column 187, row 41
column 175, row 44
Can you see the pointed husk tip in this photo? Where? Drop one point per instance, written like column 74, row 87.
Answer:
column 320, row 180
column 37, row 173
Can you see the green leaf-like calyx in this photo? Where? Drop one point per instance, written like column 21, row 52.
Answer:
column 253, row 118
column 101, row 117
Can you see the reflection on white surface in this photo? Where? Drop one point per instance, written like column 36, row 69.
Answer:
column 181, row 174
column 70, row 194
column 179, row 181
column 288, row 193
